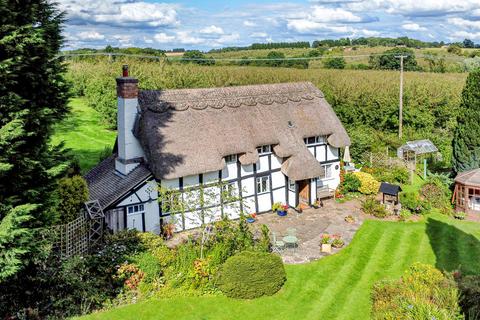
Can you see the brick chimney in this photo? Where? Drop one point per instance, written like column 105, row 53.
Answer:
column 130, row 152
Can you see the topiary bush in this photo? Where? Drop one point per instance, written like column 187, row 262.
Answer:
column 250, row 275
column 422, row 293
column 368, row 184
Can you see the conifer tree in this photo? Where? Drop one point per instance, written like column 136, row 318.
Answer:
column 466, row 140
column 33, row 96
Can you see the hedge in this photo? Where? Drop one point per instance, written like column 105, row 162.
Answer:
column 251, row 275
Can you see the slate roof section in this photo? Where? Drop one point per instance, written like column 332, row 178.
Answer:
column 107, row 185
column 190, row 131
column 390, row 189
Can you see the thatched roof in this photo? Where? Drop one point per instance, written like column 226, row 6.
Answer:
column 470, row 177
column 189, row 131
column 107, row 186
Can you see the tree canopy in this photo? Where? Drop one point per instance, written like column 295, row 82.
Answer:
column 389, row 60
column 33, row 96
column 466, row 141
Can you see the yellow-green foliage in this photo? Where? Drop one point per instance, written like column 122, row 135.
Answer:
column 368, row 184
column 422, row 293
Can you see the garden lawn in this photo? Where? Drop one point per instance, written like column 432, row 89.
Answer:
column 84, row 134
column 338, row 286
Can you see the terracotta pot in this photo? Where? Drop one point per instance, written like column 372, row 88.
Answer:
column 326, row 248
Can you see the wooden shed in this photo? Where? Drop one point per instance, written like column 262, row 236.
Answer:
column 466, row 196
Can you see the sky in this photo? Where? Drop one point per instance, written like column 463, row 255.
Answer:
column 166, row 24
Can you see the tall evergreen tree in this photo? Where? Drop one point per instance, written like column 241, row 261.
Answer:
column 33, row 96
column 466, row 140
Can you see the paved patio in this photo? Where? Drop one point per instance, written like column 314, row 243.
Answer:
column 310, row 225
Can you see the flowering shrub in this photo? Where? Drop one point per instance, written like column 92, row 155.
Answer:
column 368, row 184
column 351, row 183
column 130, row 274
column 422, row 293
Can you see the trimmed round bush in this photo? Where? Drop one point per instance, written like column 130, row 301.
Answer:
column 249, row 275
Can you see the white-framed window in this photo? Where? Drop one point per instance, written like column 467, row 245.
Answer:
column 291, row 185
column 135, row 209
column 263, row 184
column 232, row 158
column 327, row 171
column 229, row 189
column 266, row 149
column 314, row 140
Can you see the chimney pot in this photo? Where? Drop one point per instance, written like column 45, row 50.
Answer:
column 125, row 70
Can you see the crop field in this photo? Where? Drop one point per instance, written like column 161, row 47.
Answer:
column 366, row 101
column 338, row 286
column 358, row 56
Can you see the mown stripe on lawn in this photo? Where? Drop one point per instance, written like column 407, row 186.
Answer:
column 383, row 261
column 356, row 262
column 354, row 284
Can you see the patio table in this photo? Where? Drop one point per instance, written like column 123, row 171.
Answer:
column 290, row 241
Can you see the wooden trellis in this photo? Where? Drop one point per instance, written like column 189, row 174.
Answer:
column 80, row 235
column 72, row 238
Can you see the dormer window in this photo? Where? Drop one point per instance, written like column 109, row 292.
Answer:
column 314, row 140
column 266, row 149
column 232, row 158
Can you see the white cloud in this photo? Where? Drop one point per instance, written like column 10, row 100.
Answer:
column 308, row 26
column 413, row 27
column 90, row 35
column 212, row 30
column 228, row 38
column 186, row 37
column 259, row 35
column 163, row 38
column 460, row 35
column 367, row 33
column 415, row 7
column 323, row 14
column 119, row 12
column 248, row 23
column 459, row 22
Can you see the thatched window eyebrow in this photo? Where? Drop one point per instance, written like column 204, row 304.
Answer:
column 266, row 149
column 315, row 140
column 232, row 158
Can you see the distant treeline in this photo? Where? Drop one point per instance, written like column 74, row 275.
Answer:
column 269, row 45
column 377, row 42
column 132, row 50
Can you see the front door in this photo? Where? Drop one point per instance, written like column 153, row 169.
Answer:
column 303, row 192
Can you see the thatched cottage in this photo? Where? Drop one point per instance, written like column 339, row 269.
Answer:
column 269, row 143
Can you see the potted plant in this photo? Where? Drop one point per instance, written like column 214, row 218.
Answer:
column 349, row 219
column 280, row 209
column 283, row 210
column 251, row 218
column 337, row 241
column 325, row 244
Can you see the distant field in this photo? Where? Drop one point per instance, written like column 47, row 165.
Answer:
column 338, row 286
column 360, row 55
column 84, row 134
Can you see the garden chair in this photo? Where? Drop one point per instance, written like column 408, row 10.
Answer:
column 277, row 245
column 292, row 238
